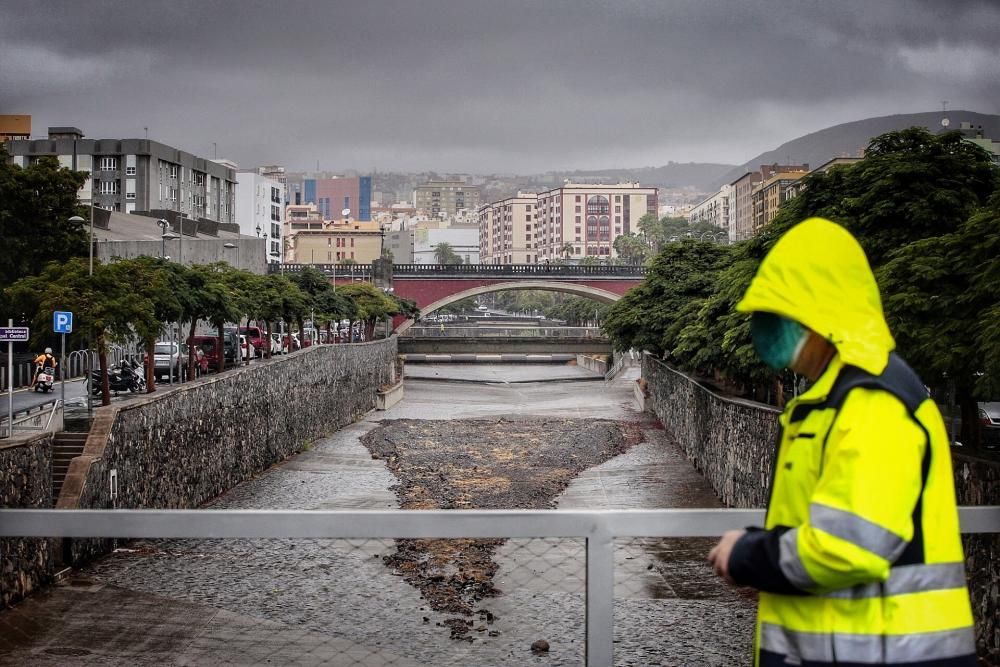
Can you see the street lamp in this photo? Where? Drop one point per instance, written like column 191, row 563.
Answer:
column 166, row 236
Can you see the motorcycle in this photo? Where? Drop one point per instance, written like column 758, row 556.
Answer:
column 128, row 376
column 45, row 379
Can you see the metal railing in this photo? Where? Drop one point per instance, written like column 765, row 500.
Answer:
column 598, row 529
column 364, row 271
column 44, row 418
column 503, row 332
column 517, row 270
column 622, row 359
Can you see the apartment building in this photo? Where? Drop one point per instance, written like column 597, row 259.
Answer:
column 444, row 199
column 581, row 220
column 14, row 127
column 260, row 209
column 506, row 231
column 741, row 206
column 133, row 175
column 714, row 209
column 772, row 191
column 312, row 240
column 332, row 195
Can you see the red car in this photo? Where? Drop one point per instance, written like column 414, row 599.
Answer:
column 255, row 336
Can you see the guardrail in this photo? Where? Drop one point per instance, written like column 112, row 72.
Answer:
column 45, row 418
column 364, row 271
column 598, row 529
column 77, row 364
column 503, row 332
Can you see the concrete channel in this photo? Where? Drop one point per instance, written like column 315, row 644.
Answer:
column 312, row 602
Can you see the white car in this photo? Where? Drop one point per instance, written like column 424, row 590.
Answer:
column 277, row 347
column 247, row 348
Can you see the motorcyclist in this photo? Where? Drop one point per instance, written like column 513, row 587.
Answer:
column 43, row 361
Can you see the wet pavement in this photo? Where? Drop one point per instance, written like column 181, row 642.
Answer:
column 345, row 602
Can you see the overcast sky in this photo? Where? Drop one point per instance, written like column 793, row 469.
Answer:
column 493, row 85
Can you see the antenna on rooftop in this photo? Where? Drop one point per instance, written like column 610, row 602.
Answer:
column 944, row 114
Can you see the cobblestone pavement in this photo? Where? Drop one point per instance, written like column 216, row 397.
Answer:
column 335, row 602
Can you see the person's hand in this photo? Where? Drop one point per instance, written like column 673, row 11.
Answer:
column 718, row 557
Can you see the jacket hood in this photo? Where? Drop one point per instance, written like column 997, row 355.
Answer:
column 818, row 275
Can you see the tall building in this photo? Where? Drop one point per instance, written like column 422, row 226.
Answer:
column 332, row 195
column 15, row 127
column 444, row 199
column 714, row 209
column 580, row 220
column 334, row 242
column 133, row 175
column 260, row 209
column 741, row 206
column 772, row 191
column 506, row 229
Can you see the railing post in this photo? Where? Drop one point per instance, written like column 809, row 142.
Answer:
column 600, row 612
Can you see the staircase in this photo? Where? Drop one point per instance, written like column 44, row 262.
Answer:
column 65, row 447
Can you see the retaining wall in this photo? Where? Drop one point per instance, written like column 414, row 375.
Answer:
column 180, row 447
column 732, row 443
column 26, row 564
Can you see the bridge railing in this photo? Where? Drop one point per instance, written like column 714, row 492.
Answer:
column 517, row 270
column 503, row 332
column 577, row 547
column 364, row 271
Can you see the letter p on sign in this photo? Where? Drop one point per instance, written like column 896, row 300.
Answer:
column 62, row 322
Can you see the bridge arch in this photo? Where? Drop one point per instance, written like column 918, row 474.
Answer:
column 597, row 294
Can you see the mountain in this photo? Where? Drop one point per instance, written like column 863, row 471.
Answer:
column 851, row 138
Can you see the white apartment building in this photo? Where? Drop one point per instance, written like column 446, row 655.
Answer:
column 581, row 220
column 714, row 209
column 506, row 231
column 260, row 210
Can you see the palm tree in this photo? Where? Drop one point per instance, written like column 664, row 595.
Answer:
column 567, row 249
column 445, row 254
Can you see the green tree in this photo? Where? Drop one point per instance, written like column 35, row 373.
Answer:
column 652, row 315
column 444, row 253
column 631, row 248
column 36, row 203
column 153, row 280
column 372, row 305
column 105, row 304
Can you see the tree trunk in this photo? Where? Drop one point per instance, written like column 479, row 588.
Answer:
column 328, row 331
column 150, row 366
column 302, row 330
column 191, row 353
column 968, row 408
column 102, row 363
column 222, row 347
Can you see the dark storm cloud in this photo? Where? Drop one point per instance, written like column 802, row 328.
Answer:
column 489, row 86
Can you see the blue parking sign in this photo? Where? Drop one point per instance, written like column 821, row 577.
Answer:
column 62, row 322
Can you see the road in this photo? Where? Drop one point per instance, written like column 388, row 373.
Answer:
column 291, row 602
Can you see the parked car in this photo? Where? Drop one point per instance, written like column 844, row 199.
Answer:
column 247, row 349
column 278, row 346
column 292, row 342
column 232, row 341
column 989, row 421
column 255, row 336
column 209, row 346
column 170, row 356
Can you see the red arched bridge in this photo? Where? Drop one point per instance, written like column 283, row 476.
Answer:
column 433, row 286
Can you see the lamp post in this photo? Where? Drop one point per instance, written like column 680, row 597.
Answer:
column 166, row 236
column 163, row 236
column 231, row 246
column 77, row 220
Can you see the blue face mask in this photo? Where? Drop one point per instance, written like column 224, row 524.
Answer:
column 778, row 340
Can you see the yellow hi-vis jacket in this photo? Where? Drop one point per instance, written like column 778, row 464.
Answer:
column 860, row 560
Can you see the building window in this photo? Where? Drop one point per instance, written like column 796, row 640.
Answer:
column 109, row 163
column 275, row 213
column 598, row 205
column 130, row 171
column 578, row 197
column 108, row 187
column 173, row 171
column 129, row 195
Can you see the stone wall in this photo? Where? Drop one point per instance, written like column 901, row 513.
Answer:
column 26, row 564
column 180, row 447
column 977, row 482
column 732, row 443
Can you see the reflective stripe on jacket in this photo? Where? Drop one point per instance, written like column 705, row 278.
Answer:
column 860, row 560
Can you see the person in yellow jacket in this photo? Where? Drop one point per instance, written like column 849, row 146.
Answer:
column 860, row 560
